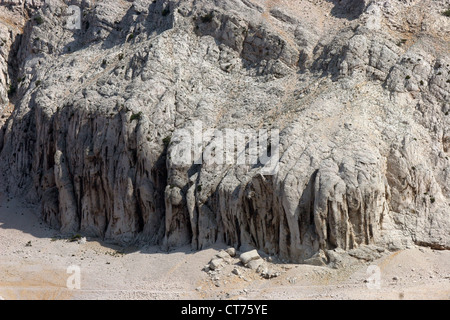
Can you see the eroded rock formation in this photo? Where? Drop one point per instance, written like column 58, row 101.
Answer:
column 358, row 89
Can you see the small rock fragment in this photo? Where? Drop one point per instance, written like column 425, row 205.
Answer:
column 270, row 274
column 319, row 259
column 223, row 255
column 215, row 263
column 262, row 268
column 236, row 271
column 254, row 264
column 292, row 280
column 231, row 252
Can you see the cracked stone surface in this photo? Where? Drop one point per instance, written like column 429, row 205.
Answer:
column 358, row 89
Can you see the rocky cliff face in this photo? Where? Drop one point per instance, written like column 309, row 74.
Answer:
column 358, row 89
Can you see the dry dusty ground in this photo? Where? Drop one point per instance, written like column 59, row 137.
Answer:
column 34, row 261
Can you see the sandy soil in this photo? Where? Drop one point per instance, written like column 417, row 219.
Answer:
column 34, row 261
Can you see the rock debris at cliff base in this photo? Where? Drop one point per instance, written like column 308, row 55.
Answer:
column 34, row 262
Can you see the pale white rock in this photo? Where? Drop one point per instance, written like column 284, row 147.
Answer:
column 214, row 264
column 254, row 264
column 236, row 271
column 248, row 256
column 319, row 259
column 231, row 252
column 223, row 255
column 360, row 98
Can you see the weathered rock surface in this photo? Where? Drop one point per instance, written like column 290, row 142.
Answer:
column 231, row 252
column 255, row 264
column 318, row 259
column 215, row 264
column 248, row 256
column 358, row 89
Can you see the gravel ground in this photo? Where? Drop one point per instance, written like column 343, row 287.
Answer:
column 34, row 262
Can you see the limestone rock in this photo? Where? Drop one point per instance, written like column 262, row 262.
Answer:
column 95, row 122
column 248, row 256
column 269, row 274
column 254, row 264
column 223, row 255
column 215, row 264
column 236, row 271
column 339, row 258
column 231, row 252
column 319, row 259
column 366, row 253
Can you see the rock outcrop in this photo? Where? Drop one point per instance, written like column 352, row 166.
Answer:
column 358, row 90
